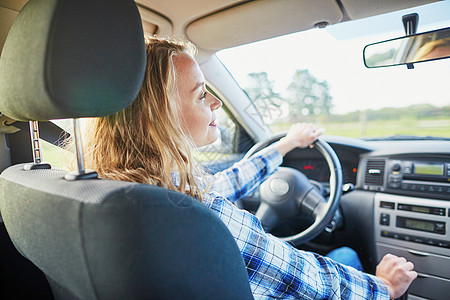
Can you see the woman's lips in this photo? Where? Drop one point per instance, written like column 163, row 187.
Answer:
column 213, row 123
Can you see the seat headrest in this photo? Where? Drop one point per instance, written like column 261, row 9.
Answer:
column 71, row 59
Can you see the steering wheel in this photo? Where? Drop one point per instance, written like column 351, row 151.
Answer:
column 288, row 192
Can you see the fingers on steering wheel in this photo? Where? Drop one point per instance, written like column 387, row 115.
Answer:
column 319, row 132
column 315, row 135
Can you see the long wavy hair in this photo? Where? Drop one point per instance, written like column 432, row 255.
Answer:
column 145, row 142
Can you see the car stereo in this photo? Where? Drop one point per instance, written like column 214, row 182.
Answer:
column 404, row 219
column 417, row 229
column 419, row 177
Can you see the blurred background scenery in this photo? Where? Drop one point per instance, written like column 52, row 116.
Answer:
column 319, row 76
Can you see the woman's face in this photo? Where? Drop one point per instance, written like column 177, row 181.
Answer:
column 197, row 106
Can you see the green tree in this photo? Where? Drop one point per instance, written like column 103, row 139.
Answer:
column 266, row 100
column 308, row 96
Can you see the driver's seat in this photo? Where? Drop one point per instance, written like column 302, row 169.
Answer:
column 97, row 238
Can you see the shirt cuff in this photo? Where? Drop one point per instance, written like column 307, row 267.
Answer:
column 384, row 292
column 277, row 155
column 272, row 155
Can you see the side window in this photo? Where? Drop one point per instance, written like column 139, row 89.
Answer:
column 56, row 155
column 229, row 147
column 224, row 146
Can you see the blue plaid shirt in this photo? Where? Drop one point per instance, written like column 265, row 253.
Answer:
column 275, row 268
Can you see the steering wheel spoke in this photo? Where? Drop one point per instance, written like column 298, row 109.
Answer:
column 312, row 204
column 267, row 216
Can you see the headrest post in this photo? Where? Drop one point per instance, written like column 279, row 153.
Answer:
column 36, row 147
column 81, row 172
column 78, row 145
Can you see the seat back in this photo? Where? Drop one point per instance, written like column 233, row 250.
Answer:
column 104, row 239
column 98, row 238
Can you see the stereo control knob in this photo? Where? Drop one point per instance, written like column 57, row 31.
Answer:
column 396, row 167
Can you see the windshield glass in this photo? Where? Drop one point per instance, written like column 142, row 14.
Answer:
column 319, row 76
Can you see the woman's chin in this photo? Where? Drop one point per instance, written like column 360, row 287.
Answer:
column 213, row 137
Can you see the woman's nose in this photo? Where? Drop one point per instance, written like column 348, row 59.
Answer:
column 215, row 103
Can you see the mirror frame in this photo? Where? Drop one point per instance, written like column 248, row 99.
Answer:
column 400, row 38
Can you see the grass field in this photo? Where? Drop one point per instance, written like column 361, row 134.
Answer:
column 435, row 127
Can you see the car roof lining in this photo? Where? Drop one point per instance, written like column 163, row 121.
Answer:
column 238, row 21
column 241, row 22
column 9, row 9
column 356, row 10
column 13, row 4
column 154, row 23
column 236, row 29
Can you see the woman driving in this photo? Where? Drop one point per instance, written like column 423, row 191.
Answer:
column 153, row 140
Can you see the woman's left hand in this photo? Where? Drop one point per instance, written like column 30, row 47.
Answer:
column 299, row 135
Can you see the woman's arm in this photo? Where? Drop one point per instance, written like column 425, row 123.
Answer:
column 279, row 271
column 245, row 176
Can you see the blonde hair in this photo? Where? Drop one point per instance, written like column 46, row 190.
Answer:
column 145, row 142
column 427, row 48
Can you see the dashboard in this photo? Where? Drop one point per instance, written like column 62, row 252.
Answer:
column 311, row 163
column 401, row 204
column 317, row 169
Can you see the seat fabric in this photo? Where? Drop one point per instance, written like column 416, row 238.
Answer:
column 104, row 239
column 101, row 239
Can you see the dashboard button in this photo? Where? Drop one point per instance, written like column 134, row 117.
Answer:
column 384, row 219
column 401, row 236
column 438, row 211
column 443, row 244
column 403, row 207
column 386, row 233
column 417, row 239
column 439, row 228
column 395, row 181
column 386, row 204
column 431, row 242
column 396, row 167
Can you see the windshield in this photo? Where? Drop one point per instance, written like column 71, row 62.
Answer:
column 319, row 76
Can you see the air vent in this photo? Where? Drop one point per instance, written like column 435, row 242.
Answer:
column 374, row 172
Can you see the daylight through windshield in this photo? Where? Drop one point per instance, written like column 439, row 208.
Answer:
column 319, row 76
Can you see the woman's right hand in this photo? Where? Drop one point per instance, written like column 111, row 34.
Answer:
column 397, row 273
column 299, row 135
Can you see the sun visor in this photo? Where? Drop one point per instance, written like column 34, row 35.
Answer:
column 154, row 23
column 357, row 9
column 258, row 20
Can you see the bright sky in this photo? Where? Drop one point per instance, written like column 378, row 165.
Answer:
column 352, row 86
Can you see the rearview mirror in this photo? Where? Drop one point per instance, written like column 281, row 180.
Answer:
column 431, row 45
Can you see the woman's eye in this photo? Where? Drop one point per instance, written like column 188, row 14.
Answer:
column 203, row 96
